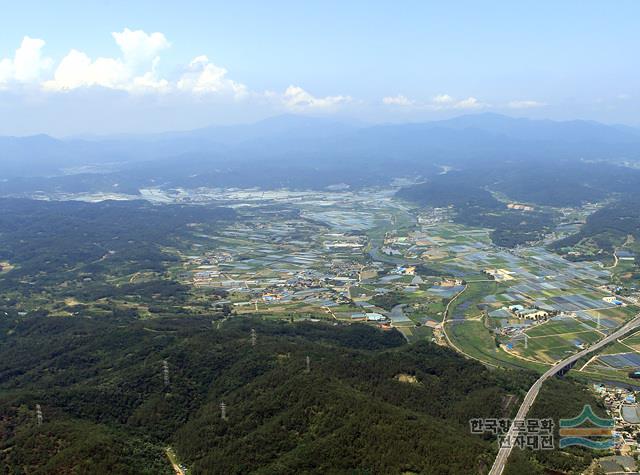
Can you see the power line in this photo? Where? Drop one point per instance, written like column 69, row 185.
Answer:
column 165, row 372
column 39, row 417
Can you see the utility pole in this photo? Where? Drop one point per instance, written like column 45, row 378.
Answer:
column 526, row 341
column 165, row 372
column 223, row 411
column 39, row 417
column 308, row 364
column 254, row 337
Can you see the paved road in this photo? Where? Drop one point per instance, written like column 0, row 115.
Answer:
column 446, row 310
column 504, row 452
column 443, row 328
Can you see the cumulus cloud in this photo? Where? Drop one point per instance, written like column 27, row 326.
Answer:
column 149, row 81
column 525, row 104
column 135, row 70
column 27, row 65
column 295, row 98
column 78, row 70
column 202, row 76
column 398, row 100
column 139, row 48
column 469, row 103
column 443, row 99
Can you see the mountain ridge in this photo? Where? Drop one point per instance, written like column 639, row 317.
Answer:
column 311, row 142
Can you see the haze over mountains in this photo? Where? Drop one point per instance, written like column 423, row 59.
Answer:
column 303, row 152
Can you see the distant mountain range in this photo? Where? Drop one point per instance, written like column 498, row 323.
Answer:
column 302, row 151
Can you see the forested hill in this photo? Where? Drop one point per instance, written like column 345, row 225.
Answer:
column 609, row 227
column 471, row 192
column 100, row 385
column 467, row 193
column 56, row 242
column 546, row 183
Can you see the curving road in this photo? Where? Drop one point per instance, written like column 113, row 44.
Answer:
column 504, row 452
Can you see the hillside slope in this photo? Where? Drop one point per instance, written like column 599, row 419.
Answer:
column 100, row 385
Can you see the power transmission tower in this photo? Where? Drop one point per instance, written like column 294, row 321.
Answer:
column 39, row 417
column 223, row 411
column 254, row 337
column 165, row 372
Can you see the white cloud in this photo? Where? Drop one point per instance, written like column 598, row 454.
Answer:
column 398, row 100
column 525, row 104
column 150, row 81
column 469, row 103
column 27, row 65
column 296, row 98
column 139, row 48
column 202, row 76
column 437, row 103
column 78, row 70
column 443, row 99
column 135, row 71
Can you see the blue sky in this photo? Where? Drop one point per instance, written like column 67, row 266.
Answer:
column 177, row 65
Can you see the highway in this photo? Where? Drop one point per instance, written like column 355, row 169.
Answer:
column 504, row 452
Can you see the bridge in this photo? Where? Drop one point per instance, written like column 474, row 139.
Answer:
column 566, row 369
column 559, row 369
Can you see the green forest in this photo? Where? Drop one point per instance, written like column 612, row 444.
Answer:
column 56, row 241
column 609, row 227
column 369, row 403
column 475, row 206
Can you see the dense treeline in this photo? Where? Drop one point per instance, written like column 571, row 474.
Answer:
column 370, row 403
column 609, row 226
column 510, row 228
column 51, row 242
column 388, row 300
column 557, row 399
column 564, row 183
column 557, row 183
column 455, row 189
column 69, row 445
column 475, row 206
column 103, row 378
